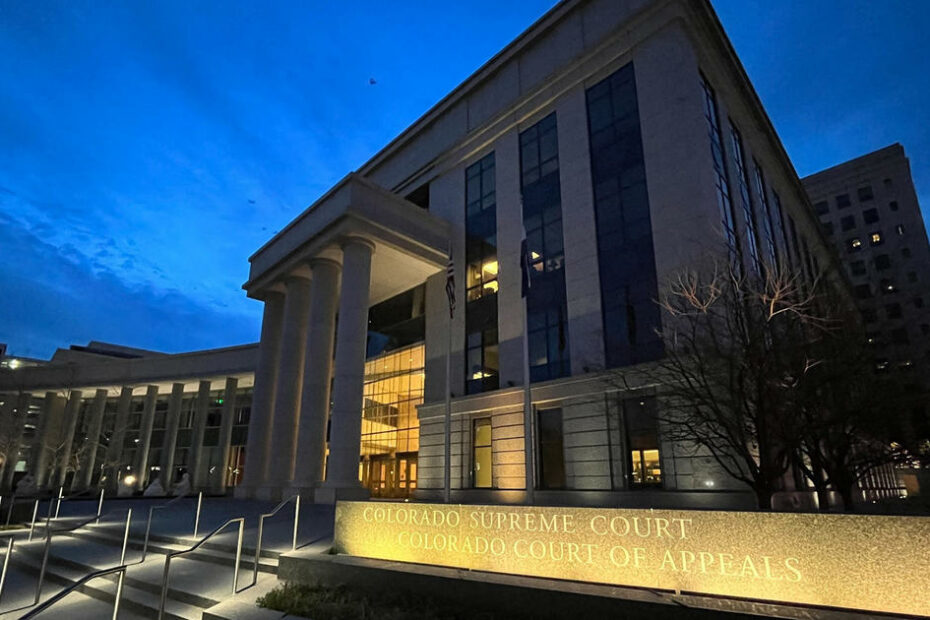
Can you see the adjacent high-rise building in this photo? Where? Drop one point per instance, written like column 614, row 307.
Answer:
column 869, row 210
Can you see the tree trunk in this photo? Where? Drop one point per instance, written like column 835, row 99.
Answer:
column 764, row 498
column 846, row 492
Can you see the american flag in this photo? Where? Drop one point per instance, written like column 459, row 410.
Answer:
column 450, row 285
column 526, row 280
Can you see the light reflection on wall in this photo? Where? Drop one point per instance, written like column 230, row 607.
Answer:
column 390, row 427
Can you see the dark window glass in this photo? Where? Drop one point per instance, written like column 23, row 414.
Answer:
column 893, row 205
column 642, row 435
column 397, row 322
column 865, row 193
column 870, row 216
column 869, row 316
column 857, row 267
column 481, row 349
column 547, row 314
column 769, row 220
column 899, row 335
column 918, row 302
column 882, row 262
column 925, row 328
column 848, row 222
column 749, row 213
column 822, row 207
column 721, row 174
column 888, row 183
column 828, row 228
column 912, row 276
column 863, row 291
column 420, row 196
column 842, row 201
column 893, row 310
column 626, row 259
column 551, row 454
column 906, row 252
column 794, row 240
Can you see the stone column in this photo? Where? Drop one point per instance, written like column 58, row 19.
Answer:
column 197, row 432
column 266, row 375
column 170, row 443
column 117, row 439
column 349, row 376
column 288, row 390
column 8, row 425
column 218, row 484
column 47, row 438
column 94, row 423
column 145, row 438
column 314, row 403
column 12, row 457
column 68, row 426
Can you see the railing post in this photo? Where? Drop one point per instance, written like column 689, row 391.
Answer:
column 148, row 529
column 48, row 543
column 122, row 555
column 164, row 588
column 296, row 521
column 119, row 593
column 6, row 563
column 238, row 555
column 197, row 517
column 61, row 490
column 100, row 506
column 35, row 512
column 258, row 549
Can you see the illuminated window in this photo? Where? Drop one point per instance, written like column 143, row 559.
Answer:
column 854, row 244
column 642, row 435
column 481, row 470
column 875, row 238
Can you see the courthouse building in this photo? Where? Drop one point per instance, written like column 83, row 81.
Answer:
column 625, row 139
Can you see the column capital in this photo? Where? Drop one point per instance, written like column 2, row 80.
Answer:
column 348, row 240
column 324, row 261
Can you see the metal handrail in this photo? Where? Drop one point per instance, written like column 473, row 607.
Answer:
column 73, row 496
column 174, row 554
column 261, row 526
column 148, row 524
column 32, row 613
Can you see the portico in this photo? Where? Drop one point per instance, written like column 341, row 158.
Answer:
column 358, row 245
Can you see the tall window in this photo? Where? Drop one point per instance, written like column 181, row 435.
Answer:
column 626, row 259
column 551, row 454
column 781, row 225
column 749, row 216
column 547, row 313
column 720, row 171
column 481, row 470
column 481, row 363
column 643, row 441
column 768, row 221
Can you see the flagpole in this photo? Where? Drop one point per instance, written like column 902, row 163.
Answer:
column 447, row 460
column 529, row 442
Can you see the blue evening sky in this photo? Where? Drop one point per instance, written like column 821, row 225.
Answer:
column 147, row 149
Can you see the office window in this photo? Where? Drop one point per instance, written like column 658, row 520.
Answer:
column 906, row 252
column 857, row 268
column 626, row 259
column 642, row 434
column 893, row 205
column 888, row 183
column 481, row 348
column 722, row 175
column 481, row 436
column 869, row 316
column 862, row 291
column 794, row 240
column 882, row 262
column 551, row 455
column 827, row 228
column 865, row 193
column 546, row 306
column 875, row 238
column 822, row 207
column 925, row 329
column 848, row 222
column 912, row 276
column 870, row 216
column 893, row 311
column 853, row 245
column 899, row 335
column 749, row 214
column 918, row 302
column 842, row 201
column 769, row 221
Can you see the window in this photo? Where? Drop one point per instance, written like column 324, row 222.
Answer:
column 912, row 276
column 865, row 193
column 546, row 306
column 906, row 252
column 876, row 238
column 869, row 316
column 848, row 222
column 893, row 311
column 872, row 338
column 722, row 175
column 882, row 262
column 842, row 201
column 899, row 229
column 888, row 183
column 769, row 223
column 749, row 214
column 481, row 348
column 870, row 216
column 643, row 439
column 822, row 207
column 828, row 228
column 887, row 287
column 626, row 258
column 419, row 196
column 481, row 474
column 918, row 302
column 899, row 335
column 862, row 291
column 551, row 455
column 857, row 268
column 893, row 205
column 853, row 245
